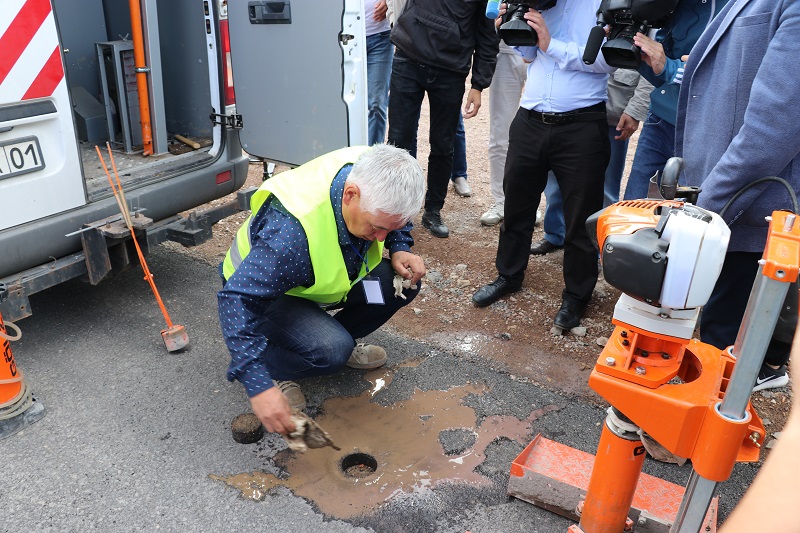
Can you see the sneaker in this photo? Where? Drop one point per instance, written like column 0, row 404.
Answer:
column 367, row 356
column 293, row 394
column 462, row 186
column 493, row 216
column 771, row 378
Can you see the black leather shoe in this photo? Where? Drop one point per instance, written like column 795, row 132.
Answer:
column 432, row 220
column 488, row 294
column 569, row 316
column 543, row 247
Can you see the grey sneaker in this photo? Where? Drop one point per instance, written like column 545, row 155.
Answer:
column 462, row 186
column 293, row 394
column 367, row 356
column 493, row 216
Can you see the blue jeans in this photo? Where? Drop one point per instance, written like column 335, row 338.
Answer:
column 445, row 89
column 554, row 226
column 305, row 341
column 459, row 151
column 656, row 146
column 379, row 69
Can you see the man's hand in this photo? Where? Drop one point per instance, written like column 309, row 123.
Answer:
column 503, row 7
column 380, row 11
column 626, row 127
column 652, row 52
column 473, row 103
column 272, row 408
column 536, row 21
column 409, row 266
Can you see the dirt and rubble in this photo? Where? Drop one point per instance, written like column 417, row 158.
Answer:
column 514, row 333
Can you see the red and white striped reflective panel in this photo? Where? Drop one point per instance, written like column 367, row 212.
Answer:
column 30, row 61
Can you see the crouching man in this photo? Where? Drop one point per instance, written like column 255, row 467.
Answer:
column 314, row 243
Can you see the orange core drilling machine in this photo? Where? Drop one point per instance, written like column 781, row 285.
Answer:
column 691, row 398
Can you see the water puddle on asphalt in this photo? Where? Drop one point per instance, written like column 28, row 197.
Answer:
column 404, row 441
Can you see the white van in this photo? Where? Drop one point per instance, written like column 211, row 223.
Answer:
column 69, row 81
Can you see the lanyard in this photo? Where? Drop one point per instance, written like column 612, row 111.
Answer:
column 363, row 260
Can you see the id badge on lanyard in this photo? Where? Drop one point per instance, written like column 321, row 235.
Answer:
column 372, row 287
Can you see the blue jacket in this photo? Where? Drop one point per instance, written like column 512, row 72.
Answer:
column 739, row 114
column 688, row 21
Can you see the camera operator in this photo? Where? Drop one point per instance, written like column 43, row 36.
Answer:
column 663, row 62
column 560, row 126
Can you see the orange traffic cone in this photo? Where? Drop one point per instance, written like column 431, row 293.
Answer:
column 18, row 407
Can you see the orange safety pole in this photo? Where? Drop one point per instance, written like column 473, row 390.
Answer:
column 617, row 466
column 141, row 75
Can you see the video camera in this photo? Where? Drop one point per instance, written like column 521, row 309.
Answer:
column 514, row 29
column 625, row 18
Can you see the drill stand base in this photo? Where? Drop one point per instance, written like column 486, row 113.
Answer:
column 555, row 477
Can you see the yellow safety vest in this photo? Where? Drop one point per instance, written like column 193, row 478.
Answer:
column 305, row 193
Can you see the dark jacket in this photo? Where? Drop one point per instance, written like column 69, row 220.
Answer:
column 449, row 34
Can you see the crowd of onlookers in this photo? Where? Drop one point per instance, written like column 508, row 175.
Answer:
column 561, row 127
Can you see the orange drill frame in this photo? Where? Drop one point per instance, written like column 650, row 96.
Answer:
column 635, row 373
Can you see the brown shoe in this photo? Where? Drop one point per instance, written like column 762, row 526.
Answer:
column 293, row 394
column 543, row 247
column 367, row 356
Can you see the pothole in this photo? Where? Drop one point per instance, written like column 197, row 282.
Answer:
column 358, row 465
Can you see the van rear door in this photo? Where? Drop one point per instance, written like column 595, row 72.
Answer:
column 300, row 76
column 40, row 169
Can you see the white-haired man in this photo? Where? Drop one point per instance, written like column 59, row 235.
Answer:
column 314, row 243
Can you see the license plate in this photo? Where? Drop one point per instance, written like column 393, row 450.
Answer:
column 19, row 156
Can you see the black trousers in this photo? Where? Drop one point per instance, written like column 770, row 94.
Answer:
column 409, row 84
column 722, row 315
column 577, row 153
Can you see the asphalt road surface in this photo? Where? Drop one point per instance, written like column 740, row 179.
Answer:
column 137, row 439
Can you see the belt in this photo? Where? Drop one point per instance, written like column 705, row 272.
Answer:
column 585, row 114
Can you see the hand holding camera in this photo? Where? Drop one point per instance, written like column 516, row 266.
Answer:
column 522, row 24
column 652, row 52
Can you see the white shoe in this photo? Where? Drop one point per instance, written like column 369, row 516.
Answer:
column 367, row 356
column 462, row 186
column 493, row 216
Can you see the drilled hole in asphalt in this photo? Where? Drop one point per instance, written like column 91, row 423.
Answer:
column 358, row 465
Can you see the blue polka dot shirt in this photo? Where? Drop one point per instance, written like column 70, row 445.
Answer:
column 279, row 261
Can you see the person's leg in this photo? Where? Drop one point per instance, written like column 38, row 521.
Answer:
column 615, row 168
column 579, row 154
column 655, row 146
column 445, row 91
column 405, row 103
column 524, row 181
column 303, row 340
column 459, row 150
column 379, row 69
column 723, row 313
column 554, row 225
column 459, row 173
column 507, row 83
column 360, row 318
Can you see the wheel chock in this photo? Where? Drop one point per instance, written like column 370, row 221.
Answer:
column 555, row 477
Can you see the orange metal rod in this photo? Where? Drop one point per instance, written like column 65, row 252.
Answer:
column 616, row 471
column 141, row 75
column 118, row 194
